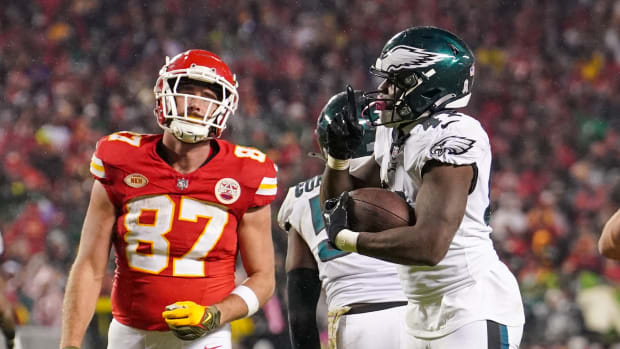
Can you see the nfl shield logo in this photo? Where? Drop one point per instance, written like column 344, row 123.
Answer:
column 182, row 183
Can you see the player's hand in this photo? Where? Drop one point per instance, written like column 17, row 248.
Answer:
column 344, row 133
column 189, row 321
column 335, row 216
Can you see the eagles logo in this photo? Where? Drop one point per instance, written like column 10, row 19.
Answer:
column 453, row 145
column 407, row 57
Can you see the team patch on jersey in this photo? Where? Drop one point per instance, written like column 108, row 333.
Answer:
column 407, row 57
column 227, row 190
column 136, row 180
column 453, row 145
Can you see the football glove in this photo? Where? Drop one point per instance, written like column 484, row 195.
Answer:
column 344, row 133
column 189, row 321
column 335, row 216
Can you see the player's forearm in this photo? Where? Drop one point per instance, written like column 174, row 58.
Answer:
column 404, row 245
column 234, row 307
column 335, row 182
column 82, row 291
column 609, row 243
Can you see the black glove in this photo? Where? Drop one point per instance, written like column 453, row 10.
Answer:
column 335, row 216
column 344, row 133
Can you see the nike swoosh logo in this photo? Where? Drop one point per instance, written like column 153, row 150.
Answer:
column 219, row 346
column 448, row 123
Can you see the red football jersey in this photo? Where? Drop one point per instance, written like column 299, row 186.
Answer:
column 176, row 234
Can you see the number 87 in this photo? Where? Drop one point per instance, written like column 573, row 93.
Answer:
column 154, row 234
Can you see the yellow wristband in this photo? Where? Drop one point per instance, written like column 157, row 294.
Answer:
column 337, row 164
column 346, row 240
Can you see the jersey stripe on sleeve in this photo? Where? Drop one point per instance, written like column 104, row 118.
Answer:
column 268, row 187
column 96, row 167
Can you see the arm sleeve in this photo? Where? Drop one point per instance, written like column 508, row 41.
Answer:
column 97, row 165
column 286, row 209
column 303, row 289
column 102, row 168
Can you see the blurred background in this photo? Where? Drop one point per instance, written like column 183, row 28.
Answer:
column 547, row 91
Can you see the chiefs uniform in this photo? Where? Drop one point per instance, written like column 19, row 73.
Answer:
column 176, row 234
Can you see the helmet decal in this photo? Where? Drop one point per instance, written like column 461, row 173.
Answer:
column 407, row 57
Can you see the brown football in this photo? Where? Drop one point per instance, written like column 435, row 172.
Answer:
column 376, row 209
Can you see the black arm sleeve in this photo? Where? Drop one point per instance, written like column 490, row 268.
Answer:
column 303, row 289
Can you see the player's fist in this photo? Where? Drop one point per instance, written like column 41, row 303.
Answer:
column 335, row 216
column 189, row 321
column 344, row 133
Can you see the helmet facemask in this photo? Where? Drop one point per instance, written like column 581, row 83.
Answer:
column 175, row 109
column 395, row 110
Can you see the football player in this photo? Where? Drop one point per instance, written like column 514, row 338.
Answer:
column 609, row 243
column 177, row 207
column 460, row 294
column 364, row 298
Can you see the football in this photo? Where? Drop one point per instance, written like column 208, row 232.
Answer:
column 376, row 209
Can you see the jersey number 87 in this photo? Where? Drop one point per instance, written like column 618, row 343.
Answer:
column 153, row 234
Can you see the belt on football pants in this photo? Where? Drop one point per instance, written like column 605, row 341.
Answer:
column 360, row 308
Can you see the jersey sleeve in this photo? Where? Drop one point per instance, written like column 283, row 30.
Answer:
column 286, row 210
column 98, row 163
column 460, row 143
column 110, row 156
column 268, row 186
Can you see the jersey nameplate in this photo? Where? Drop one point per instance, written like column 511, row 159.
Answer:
column 307, row 186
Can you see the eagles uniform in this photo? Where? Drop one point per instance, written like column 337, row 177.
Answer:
column 470, row 283
column 347, row 278
column 175, row 236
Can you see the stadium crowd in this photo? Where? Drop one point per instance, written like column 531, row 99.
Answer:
column 546, row 90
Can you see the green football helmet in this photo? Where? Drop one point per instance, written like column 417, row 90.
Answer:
column 432, row 69
column 364, row 114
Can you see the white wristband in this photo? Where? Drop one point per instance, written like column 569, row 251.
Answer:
column 346, row 240
column 249, row 297
column 337, row 164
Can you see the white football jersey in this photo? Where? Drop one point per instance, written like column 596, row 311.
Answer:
column 346, row 277
column 470, row 283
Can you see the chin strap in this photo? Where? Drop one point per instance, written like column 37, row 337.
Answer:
column 188, row 132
